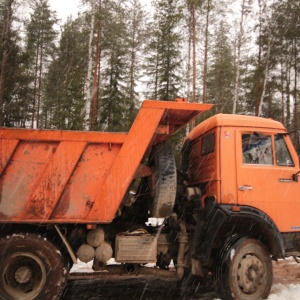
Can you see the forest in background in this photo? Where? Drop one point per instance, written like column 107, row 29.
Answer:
column 93, row 71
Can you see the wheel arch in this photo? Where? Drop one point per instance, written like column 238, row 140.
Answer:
column 248, row 221
column 256, row 224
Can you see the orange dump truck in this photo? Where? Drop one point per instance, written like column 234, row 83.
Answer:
column 231, row 206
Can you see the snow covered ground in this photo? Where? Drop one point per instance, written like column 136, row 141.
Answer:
column 286, row 279
column 285, row 292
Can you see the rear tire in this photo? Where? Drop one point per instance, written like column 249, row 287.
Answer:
column 30, row 268
column 163, row 181
column 244, row 271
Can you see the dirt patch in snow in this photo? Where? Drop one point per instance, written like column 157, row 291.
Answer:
column 286, row 271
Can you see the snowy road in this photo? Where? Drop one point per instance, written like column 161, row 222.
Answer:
column 146, row 288
column 286, row 287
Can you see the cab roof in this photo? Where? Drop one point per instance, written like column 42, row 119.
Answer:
column 227, row 120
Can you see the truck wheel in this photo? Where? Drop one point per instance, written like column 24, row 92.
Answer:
column 30, row 268
column 163, row 181
column 245, row 271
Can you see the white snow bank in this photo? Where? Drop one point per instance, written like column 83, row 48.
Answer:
column 82, row 267
column 285, row 292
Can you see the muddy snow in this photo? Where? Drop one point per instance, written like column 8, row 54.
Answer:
column 286, row 286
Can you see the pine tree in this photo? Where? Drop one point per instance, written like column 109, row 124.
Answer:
column 220, row 77
column 90, row 62
column 280, row 58
column 64, row 84
column 13, row 79
column 114, row 50
column 164, row 60
column 193, row 10
column 257, row 79
column 287, row 36
column 205, row 61
column 40, row 37
column 245, row 9
column 6, row 12
column 136, row 27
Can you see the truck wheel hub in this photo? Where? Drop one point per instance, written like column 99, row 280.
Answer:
column 23, row 275
column 250, row 273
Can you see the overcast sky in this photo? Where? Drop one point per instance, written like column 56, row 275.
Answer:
column 65, row 8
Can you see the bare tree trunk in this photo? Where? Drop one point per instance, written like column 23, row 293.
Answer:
column 238, row 59
column 109, row 113
column 282, row 91
column 267, row 63
column 99, row 64
column 94, row 105
column 40, row 83
column 131, row 70
column 258, row 86
column 5, row 50
column 35, row 80
column 88, row 85
column 193, row 35
column 287, row 92
column 134, row 42
column 295, row 92
column 156, row 75
column 205, row 54
column 93, row 110
column 222, row 86
column 188, row 71
column 261, row 102
column 194, row 53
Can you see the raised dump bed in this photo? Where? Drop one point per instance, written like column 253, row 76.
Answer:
column 81, row 177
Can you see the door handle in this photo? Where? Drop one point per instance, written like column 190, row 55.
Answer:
column 245, row 188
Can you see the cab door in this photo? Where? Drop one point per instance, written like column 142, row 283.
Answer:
column 265, row 177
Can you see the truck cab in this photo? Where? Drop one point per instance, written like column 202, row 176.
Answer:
column 243, row 171
column 243, row 160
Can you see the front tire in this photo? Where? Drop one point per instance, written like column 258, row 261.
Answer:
column 30, row 268
column 244, row 271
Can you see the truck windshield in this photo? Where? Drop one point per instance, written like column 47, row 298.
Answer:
column 257, row 149
column 283, row 157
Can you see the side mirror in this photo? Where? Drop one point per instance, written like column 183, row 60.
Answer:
column 295, row 177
